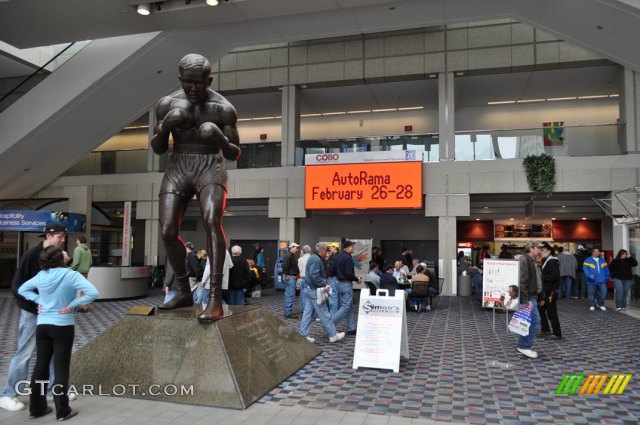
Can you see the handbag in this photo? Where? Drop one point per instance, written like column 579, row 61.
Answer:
column 521, row 320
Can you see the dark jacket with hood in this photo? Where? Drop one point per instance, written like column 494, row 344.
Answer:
column 29, row 267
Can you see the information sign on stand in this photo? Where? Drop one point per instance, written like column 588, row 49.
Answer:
column 500, row 290
column 382, row 331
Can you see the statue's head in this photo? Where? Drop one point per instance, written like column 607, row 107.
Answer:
column 195, row 76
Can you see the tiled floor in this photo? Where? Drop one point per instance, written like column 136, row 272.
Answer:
column 450, row 376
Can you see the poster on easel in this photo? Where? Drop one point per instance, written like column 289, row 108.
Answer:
column 500, row 284
column 361, row 258
column 382, row 335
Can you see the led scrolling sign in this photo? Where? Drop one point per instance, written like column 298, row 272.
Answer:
column 380, row 185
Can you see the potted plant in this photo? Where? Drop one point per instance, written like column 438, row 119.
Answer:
column 541, row 174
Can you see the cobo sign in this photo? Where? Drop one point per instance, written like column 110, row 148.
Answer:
column 327, row 157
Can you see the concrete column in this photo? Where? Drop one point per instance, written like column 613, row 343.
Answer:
column 446, row 116
column 289, row 229
column 80, row 202
column 290, row 123
column 447, row 253
column 630, row 111
column 154, row 252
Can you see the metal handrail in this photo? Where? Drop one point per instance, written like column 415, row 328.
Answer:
column 23, row 82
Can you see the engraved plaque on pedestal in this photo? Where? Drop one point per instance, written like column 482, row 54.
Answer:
column 171, row 357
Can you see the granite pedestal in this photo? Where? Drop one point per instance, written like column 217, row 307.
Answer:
column 170, row 356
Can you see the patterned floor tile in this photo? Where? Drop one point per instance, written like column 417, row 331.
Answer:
column 451, row 374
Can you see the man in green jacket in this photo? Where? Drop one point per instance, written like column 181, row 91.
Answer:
column 82, row 263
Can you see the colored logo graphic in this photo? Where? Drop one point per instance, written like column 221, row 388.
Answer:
column 593, row 384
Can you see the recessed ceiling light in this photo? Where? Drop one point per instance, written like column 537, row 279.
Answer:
column 584, row 218
column 511, row 219
column 486, row 208
column 564, row 206
column 553, row 218
column 212, row 2
column 144, row 9
column 477, row 219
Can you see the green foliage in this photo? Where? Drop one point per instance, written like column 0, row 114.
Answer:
column 541, row 173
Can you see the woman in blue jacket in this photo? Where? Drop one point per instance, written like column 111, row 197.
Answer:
column 54, row 290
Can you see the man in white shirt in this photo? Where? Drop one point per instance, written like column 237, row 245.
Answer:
column 302, row 265
column 302, row 261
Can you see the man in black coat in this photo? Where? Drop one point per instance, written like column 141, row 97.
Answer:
column 238, row 277
column 548, row 305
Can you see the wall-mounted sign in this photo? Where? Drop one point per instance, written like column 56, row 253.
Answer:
column 360, row 157
column 363, row 186
column 34, row 221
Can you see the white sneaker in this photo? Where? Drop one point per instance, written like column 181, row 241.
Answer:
column 618, row 309
column 592, row 308
column 528, row 352
column 603, row 308
column 336, row 337
column 11, row 404
column 428, row 308
column 311, row 339
column 72, row 396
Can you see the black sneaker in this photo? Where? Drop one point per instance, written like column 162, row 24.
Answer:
column 353, row 332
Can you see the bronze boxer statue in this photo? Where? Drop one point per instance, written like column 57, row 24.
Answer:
column 203, row 125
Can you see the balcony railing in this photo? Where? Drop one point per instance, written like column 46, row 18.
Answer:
column 585, row 140
column 254, row 155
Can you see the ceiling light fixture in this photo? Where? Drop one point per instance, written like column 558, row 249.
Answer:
column 501, row 102
column 530, row 100
column 212, row 2
column 597, row 96
column 144, row 9
column 558, row 99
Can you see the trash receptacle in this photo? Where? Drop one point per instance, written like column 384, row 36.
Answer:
column 464, row 285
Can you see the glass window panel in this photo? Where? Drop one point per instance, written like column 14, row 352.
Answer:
column 483, row 147
column 508, row 147
column 464, row 147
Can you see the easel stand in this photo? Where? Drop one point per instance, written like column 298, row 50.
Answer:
column 495, row 362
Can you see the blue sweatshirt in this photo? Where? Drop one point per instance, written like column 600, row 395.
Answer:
column 56, row 289
column 595, row 270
